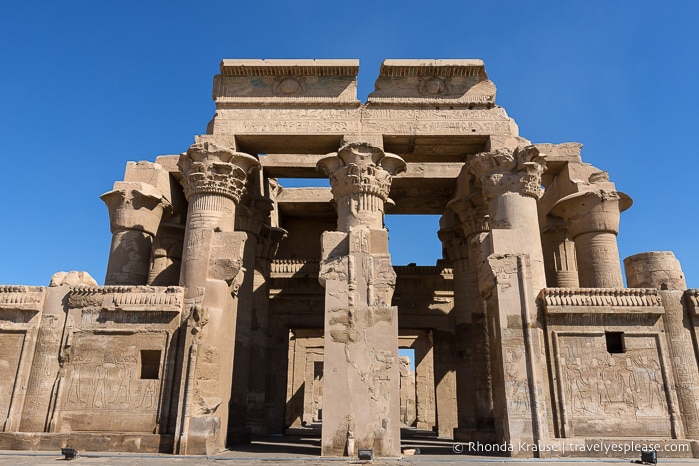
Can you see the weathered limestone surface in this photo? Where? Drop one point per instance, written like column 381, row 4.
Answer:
column 222, row 319
column 361, row 369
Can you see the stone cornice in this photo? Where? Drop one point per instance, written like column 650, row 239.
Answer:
column 602, row 301
column 21, row 298
column 308, row 67
column 127, row 298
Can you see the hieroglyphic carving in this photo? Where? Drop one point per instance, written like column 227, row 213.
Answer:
column 10, row 352
column 603, row 391
column 288, row 88
column 42, row 375
column 516, row 380
column 104, row 378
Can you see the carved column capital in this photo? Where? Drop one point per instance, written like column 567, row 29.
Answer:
column 211, row 169
column 505, row 170
column 268, row 242
column 360, row 175
column 135, row 206
column 595, row 210
column 455, row 247
column 251, row 213
column 474, row 218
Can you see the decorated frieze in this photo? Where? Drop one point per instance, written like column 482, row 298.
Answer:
column 602, row 300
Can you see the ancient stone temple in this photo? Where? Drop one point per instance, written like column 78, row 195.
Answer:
column 234, row 306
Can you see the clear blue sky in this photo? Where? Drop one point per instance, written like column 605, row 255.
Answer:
column 87, row 85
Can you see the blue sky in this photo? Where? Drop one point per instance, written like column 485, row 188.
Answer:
column 86, row 86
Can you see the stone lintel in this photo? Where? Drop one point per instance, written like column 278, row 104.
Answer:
column 302, row 67
column 304, row 166
column 411, row 196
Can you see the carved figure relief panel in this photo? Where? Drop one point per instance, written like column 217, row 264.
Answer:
column 112, row 383
column 10, row 353
column 612, row 392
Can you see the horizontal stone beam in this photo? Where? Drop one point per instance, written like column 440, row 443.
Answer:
column 304, row 166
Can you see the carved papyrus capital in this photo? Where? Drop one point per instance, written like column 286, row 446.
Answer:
column 360, row 175
column 211, row 169
column 135, row 206
column 505, row 170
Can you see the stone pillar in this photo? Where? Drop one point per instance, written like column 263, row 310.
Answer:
column 250, row 215
column 660, row 269
column 214, row 180
column 593, row 222
column 135, row 211
column 474, row 225
column 426, row 405
column 510, row 277
column 361, row 404
column 167, row 255
column 267, row 245
column 408, row 414
column 278, row 357
column 456, row 250
column 445, row 360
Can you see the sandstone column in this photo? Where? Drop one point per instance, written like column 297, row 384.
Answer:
column 267, row 245
column 511, row 184
column 167, row 255
column 425, row 393
column 593, row 222
column 361, row 403
column 456, row 250
column 250, row 215
column 135, row 211
column 511, row 276
column 660, row 269
column 473, row 225
column 214, row 180
column 559, row 254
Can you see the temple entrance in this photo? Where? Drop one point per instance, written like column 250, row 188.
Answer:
column 304, row 401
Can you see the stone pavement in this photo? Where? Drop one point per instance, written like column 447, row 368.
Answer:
column 306, row 451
